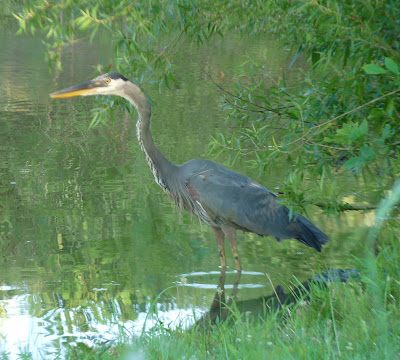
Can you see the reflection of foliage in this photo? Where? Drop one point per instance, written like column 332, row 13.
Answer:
column 74, row 221
column 10, row 6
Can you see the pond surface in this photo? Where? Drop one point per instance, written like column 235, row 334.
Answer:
column 87, row 238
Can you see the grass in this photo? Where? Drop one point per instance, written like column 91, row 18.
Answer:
column 353, row 320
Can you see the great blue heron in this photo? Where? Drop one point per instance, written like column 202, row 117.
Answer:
column 219, row 197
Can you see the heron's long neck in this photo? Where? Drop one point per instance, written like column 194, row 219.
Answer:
column 163, row 170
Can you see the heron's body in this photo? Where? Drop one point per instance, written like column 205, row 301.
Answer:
column 219, row 197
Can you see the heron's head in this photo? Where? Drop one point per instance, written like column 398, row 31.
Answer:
column 107, row 84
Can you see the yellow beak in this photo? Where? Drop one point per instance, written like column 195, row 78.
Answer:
column 85, row 89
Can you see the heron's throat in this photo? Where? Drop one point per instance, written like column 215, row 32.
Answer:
column 162, row 169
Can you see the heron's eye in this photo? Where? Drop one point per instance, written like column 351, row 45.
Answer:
column 107, row 80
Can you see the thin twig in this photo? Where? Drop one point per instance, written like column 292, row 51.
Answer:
column 255, row 111
column 359, row 107
column 237, row 97
column 340, row 116
column 327, row 146
column 347, row 207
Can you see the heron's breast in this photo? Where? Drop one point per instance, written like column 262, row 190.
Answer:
column 198, row 209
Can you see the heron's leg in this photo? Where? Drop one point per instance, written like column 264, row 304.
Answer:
column 219, row 236
column 230, row 234
column 235, row 288
column 219, row 297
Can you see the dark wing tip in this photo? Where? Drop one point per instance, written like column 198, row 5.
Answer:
column 310, row 235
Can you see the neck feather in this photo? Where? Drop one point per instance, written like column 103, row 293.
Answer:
column 163, row 170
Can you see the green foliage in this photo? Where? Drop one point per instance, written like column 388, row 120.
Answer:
column 144, row 33
column 344, row 114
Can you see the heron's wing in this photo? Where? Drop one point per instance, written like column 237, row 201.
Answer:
column 226, row 197
column 233, row 199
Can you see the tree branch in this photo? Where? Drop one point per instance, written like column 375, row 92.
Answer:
column 346, row 207
column 246, row 101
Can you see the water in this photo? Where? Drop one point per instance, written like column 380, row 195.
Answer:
column 87, row 238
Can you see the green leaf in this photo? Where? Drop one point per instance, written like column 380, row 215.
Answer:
column 368, row 153
column 345, row 130
column 85, row 23
column 386, row 131
column 315, row 57
column 354, row 131
column 392, row 66
column 389, row 106
column 374, row 69
column 329, row 140
column 364, row 127
column 354, row 163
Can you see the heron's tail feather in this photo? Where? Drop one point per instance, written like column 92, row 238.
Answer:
column 310, row 234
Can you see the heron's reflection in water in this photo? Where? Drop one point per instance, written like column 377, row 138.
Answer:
column 222, row 305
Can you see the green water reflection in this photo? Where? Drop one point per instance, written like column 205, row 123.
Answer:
column 88, row 239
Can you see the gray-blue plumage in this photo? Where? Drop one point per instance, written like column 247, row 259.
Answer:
column 235, row 200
